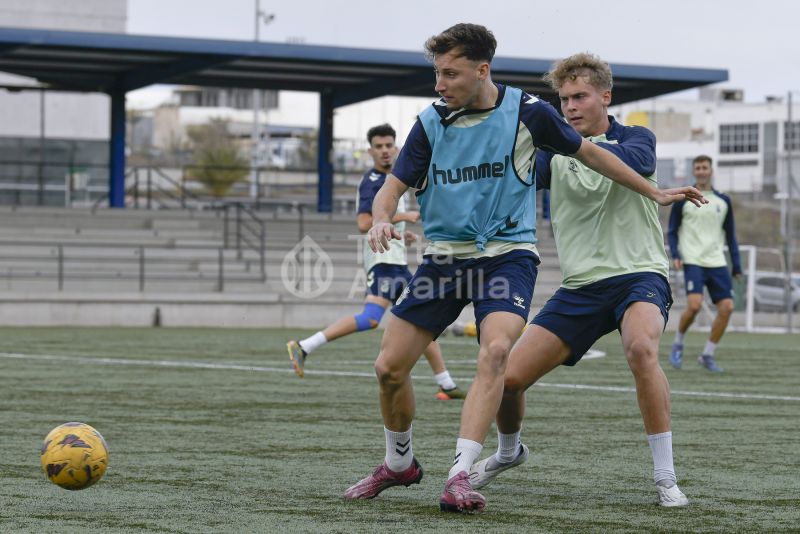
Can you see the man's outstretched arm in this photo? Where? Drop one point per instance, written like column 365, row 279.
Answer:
column 612, row 167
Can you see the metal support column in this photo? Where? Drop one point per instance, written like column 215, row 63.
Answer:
column 324, row 164
column 116, row 161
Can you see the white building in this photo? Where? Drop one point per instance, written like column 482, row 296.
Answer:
column 748, row 141
column 279, row 130
column 47, row 137
column 67, row 115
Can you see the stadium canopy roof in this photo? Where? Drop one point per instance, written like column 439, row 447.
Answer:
column 118, row 63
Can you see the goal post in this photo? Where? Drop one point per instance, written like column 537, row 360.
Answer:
column 750, row 274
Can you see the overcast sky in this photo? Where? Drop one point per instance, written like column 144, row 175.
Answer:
column 755, row 41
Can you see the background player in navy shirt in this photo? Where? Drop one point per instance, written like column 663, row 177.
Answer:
column 387, row 273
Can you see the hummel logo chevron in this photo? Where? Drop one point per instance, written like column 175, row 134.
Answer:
column 455, row 461
column 402, row 448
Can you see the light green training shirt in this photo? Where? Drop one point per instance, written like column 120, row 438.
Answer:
column 701, row 236
column 602, row 229
column 396, row 255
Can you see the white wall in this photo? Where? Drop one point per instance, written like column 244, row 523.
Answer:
column 84, row 15
column 67, row 115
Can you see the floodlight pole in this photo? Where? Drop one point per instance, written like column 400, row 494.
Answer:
column 254, row 135
column 789, row 220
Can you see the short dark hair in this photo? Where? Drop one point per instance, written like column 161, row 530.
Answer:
column 381, row 130
column 473, row 41
column 701, row 158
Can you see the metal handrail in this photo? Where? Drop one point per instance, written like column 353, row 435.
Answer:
column 255, row 240
column 134, row 189
column 104, row 196
column 181, row 187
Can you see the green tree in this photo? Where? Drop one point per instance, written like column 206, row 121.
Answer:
column 217, row 163
column 307, row 153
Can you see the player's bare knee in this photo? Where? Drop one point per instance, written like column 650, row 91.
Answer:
column 495, row 355
column 513, row 387
column 725, row 307
column 641, row 355
column 389, row 375
column 693, row 307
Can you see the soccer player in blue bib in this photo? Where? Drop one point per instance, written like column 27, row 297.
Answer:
column 470, row 157
column 614, row 267
column 696, row 241
column 387, row 273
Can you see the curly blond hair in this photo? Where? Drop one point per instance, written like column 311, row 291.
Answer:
column 585, row 65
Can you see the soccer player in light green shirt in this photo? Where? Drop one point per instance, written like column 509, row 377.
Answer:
column 614, row 269
column 696, row 241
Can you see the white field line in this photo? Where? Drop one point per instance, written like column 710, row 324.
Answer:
column 288, row 370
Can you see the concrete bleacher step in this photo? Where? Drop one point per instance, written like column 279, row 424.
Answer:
column 78, row 240
column 126, row 234
column 107, row 288
column 35, row 253
column 174, row 224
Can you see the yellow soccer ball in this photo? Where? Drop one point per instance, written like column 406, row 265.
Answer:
column 74, row 456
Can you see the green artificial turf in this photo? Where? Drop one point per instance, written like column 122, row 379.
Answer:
column 243, row 445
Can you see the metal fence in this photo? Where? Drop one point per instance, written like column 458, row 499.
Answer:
column 135, row 265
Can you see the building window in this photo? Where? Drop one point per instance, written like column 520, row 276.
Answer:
column 738, row 138
column 190, row 98
column 791, row 136
column 210, row 98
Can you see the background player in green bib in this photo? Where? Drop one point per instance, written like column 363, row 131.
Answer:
column 696, row 241
column 387, row 273
column 614, row 267
column 470, row 157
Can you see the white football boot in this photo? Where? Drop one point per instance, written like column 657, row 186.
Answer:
column 670, row 496
column 483, row 472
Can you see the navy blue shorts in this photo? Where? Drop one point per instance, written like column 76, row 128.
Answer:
column 387, row 280
column 579, row 317
column 443, row 285
column 716, row 279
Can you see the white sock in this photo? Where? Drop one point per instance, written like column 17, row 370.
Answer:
column 679, row 337
column 398, row 450
column 661, row 447
column 710, row 348
column 507, row 446
column 444, row 380
column 310, row 344
column 467, row 451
